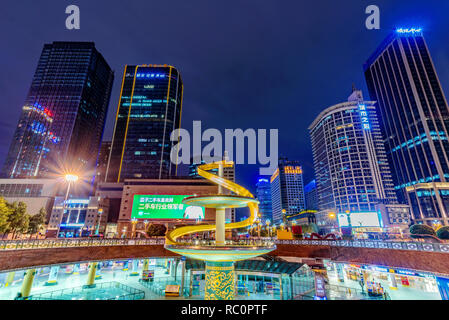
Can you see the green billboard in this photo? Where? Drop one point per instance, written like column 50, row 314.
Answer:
column 164, row 207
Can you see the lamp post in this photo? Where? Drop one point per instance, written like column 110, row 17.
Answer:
column 133, row 231
column 267, row 222
column 69, row 178
column 145, row 223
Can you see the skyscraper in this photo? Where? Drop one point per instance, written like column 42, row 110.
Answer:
column 103, row 159
column 287, row 190
column 263, row 194
column 149, row 110
column 414, row 117
column 311, row 195
column 62, row 120
column 351, row 168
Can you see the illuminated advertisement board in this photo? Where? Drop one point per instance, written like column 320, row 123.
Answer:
column 164, row 207
column 359, row 219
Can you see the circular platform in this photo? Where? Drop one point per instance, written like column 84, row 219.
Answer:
column 220, row 253
column 219, row 201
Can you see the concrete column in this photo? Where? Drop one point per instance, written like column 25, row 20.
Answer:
column 9, row 278
column 281, row 292
column 135, row 268
column 76, row 268
column 340, row 275
column 183, row 274
column 27, row 283
column 393, row 283
column 220, row 215
column 91, row 275
column 53, row 276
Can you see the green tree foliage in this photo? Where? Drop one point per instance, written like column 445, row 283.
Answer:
column 309, row 228
column 443, row 233
column 155, row 230
column 18, row 219
column 418, row 229
column 37, row 222
column 5, row 211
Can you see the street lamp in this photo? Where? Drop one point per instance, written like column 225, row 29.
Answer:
column 267, row 222
column 69, row 178
column 134, row 223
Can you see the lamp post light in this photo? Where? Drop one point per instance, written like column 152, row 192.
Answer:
column 267, row 222
column 69, row 178
column 133, row 223
column 145, row 223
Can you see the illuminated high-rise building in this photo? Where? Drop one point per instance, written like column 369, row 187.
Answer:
column 63, row 117
column 351, row 169
column 263, row 194
column 287, row 190
column 149, row 110
column 414, row 118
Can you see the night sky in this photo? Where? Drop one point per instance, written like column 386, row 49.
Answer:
column 244, row 63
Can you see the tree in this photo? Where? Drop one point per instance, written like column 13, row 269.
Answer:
column 155, row 230
column 421, row 229
column 5, row 211
column 36, row 222
column 18, row 219
column 443, row 233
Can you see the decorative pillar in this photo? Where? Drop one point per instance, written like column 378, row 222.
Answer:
column 9, row 278
column 220, row 215
column 91, row 275
column 27, row 283
column 53, row 276
column 219, row 281
column 135, row 267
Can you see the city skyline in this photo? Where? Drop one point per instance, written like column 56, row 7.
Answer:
column 295, row 92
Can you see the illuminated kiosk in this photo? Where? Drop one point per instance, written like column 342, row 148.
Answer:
column 221, row 254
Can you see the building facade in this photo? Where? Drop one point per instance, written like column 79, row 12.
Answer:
column 149, row 109
column 287, row 190
column 414, row 117
column 102, row 163
column 311, row 195
column 351, row 168
column 63, row 117
column 263, row 194
column 35, row 193
column 73, row 218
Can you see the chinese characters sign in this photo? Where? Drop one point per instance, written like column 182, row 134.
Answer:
column 364, row 117
column 164, row 207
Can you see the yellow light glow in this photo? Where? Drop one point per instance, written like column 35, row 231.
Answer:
column 71, row 177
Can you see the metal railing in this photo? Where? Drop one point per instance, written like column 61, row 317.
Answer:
column 72, row 243
column 129, row 293
column 410, row 246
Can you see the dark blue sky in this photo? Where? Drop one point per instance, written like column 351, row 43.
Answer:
column 245, row 63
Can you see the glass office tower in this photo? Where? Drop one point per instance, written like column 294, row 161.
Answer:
column 149, row 110
column 287, row 190
column 414, row 118
column 351, row 169
column 263, row 194
column 62, row 121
